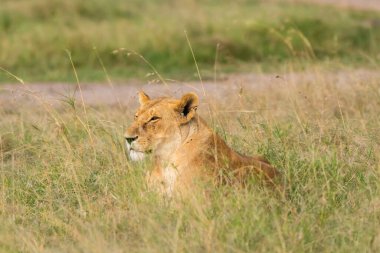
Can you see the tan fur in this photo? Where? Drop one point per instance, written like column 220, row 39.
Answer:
column 185, row 149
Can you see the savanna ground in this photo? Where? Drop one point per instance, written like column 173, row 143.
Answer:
column 311, row 107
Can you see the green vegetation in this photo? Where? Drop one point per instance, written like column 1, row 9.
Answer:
column 66, row 185
column 65, row 182
column 251, row 35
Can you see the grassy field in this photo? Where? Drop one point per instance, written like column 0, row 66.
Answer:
column 66, row 185
column 245, row 35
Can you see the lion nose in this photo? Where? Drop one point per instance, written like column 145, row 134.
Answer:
column 131, row 139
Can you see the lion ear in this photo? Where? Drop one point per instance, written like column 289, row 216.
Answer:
column 143, row 98
column 187, row 106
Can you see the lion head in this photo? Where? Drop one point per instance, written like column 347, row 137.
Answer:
column 157, row 125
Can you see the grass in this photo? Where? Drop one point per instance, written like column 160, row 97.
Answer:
column 65, row 182
column 66, row 185
column 244, row 35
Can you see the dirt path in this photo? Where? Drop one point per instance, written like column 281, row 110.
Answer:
column 357, row 4
column 125, row 94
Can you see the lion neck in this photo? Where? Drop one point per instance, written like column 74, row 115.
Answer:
column 185, row 133
column 189, row 129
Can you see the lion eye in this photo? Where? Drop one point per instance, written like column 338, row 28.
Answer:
column 154, row 118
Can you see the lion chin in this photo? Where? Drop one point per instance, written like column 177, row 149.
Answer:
column 133, row 154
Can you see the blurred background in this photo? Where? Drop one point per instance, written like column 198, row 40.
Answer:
column 129, row 39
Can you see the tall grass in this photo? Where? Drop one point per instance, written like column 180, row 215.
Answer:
column 250, row 34
column 66, row 185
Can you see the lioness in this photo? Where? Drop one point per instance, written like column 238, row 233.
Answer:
column 184, row 148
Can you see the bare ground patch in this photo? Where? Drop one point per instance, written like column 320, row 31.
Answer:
column 124, row 94
column 357, row 4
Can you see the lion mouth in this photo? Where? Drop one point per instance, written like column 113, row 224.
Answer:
column 136, row 155
column 133, row 154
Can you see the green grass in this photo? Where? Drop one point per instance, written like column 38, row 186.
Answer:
column 252, row 35
column 66, row 185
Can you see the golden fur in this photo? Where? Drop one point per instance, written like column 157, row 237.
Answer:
column 184, row 148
